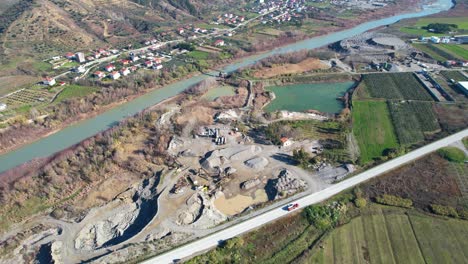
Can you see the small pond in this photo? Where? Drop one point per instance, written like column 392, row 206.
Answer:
column 302, row 97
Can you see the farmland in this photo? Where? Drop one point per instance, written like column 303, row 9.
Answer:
column 395, row 86
column 443, row 52
column 72, row 91
column 454, row 75
column 412, row 120
column 390, row 235
column 27, row 97
column 373, row 129
column 418, row 30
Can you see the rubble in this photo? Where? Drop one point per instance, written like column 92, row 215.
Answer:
column 257, row 163
column 250, row 184
column 286, row 184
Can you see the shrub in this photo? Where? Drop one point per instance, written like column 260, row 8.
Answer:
column 360, row 202
column 463, row 214
column 323, row 217
column 444, row 210
column 452, row 154
column 394, row 201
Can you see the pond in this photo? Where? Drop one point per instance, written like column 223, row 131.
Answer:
column 302, row 97
column 214, row 93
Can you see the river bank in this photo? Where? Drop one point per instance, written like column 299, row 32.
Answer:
column 84, row 129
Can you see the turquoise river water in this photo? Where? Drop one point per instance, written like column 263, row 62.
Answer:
column 87, row 128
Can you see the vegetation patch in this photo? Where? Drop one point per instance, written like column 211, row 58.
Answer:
column 394, row 201
column 373, row 129
column 412, row 120
column 454, row 75
column 395, row 86
column 452, row 154
column 72, row 91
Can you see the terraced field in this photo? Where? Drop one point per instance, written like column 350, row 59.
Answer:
column 394, row 236
column 395, row 86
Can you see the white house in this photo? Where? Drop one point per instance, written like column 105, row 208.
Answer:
column 110, row 68
column 286, row 142
column 125, row 71
column 115, row 75
column 435, row 39
column 3, row 107
column 219, row 42
column 99, row 74
column 157, row 66
column 49, row 81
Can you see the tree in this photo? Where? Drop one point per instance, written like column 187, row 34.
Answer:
column 301, row 156
column 360, row 202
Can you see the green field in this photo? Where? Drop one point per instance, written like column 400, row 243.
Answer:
column 395, row 86
column 460, row 51
column 392, row 236
column 199, row 55
column 417, row 28
column 373, row 129
column 72, row 91
column 412, row 119
column 443, row 52
column 454, row 75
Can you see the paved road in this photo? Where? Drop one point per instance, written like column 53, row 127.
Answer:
column 255, row 222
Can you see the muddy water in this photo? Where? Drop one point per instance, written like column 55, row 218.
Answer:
column 82, row 130
column 238, row 203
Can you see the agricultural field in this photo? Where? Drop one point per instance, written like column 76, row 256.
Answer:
column 443, row 52
column 373, row 129
column 27, row 97
column 391, row 235
column 460, row 51
column 395, row 86
column 71, row 91
column 412, row 120
column 199, row 55
column 418, row 30
column 454, row 75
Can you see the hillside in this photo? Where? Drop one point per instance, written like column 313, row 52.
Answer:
column 40, row 28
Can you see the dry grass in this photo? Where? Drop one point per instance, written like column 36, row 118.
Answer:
column 306, row 65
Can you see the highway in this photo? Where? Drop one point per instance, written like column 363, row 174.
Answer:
column 213, row 240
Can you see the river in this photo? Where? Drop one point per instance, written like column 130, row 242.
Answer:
column 87, row 128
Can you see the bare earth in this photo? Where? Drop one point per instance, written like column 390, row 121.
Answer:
column 304, row 66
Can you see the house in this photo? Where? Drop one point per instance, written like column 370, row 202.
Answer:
column 115, row 75
column 157, row 66
column 241, row 19
column 196, row 29
column 49, row 81
column 97, row 55
column 435, row 39
column 125, row 62
column 180, row 30
column 62, row 83
column 203, row 30
column 219, row 42
column 80, row 57
column 99, row 74
column 90, row 58
column 157, row 60
column 110, row 68
column 463, row 87
column 148, row 63
column 445, row 40
column 134, row 58
column 70, row 56
column 79, row 69
column 133, row 68
column 3, row 107
column 125, row 71
column 285, row 142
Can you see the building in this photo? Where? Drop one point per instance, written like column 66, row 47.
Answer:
column 110, row 68
column 115, row 75
column 3, row 107
column 70, row 56
column 435, row 39
column 125, row 71
column 157, row 66
column 180, row 30
column 148, row 64
column 79, row 69
column 49, row 81
column 219, row 42
column 463, row 86
column 99, row 74
column 80, row 57
column 286, row 142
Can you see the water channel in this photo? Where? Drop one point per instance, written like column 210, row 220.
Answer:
column 87, row 128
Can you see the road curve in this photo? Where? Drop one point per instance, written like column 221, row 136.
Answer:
column 213, row 240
